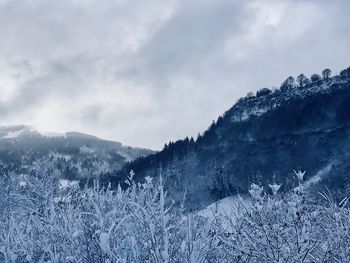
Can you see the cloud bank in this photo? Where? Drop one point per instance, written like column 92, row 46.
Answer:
column 146, row 72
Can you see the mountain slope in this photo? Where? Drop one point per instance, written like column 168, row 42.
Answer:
column 76, row 155
column 260, row 139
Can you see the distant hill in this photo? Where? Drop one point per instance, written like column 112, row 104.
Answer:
column 262, row 138
column 76, row 155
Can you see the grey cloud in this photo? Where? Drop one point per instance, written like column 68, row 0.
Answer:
column 145, row 72
column 190, row 35
column 92, row 114
column 188, row 38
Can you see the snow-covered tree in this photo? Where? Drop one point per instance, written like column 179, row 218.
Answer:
column 326, row 73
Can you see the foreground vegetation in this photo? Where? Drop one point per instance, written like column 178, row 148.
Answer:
column 41, row 222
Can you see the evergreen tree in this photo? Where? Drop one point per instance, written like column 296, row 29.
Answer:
column 326, row 73
column 315, row 78
column 289, row 83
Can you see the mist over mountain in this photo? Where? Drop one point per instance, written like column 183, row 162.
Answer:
column 261, row 139
column 76, row 155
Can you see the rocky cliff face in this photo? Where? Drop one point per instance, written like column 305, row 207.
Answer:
column 262, row 140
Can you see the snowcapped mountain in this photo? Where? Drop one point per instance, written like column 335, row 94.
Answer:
column 261, row 139
column 76, row 155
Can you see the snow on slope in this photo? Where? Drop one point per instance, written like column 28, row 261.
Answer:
column 258, row 106
column 14, row 134
column 320, row 174
column 226, row 210
column 52, row 134
column 11, row 132
column 232, row 206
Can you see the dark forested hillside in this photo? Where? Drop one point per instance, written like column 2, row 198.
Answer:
column 262, row 138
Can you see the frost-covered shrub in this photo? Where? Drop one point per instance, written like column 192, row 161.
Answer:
column 42, row 223
column 92, row 225
column 287, row 228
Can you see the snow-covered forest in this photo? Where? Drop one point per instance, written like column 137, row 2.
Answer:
column 43, row 220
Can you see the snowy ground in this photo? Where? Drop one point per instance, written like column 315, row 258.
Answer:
column 14, row 134
column 227, row 206
column 226, row 211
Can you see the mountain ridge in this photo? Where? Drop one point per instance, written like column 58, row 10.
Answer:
column 76, row 155
column 262, row 139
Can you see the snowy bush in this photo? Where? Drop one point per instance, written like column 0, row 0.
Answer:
column 40, row 223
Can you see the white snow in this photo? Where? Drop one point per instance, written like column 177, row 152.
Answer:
column 260, row 106
column 59, row 199
column 86, row 149
column 320, row 174
column 23, row 184
column 249, row 111
column 300, row 175
column 275, row 188
column 77, row 233
column 104, row 242
column 224, row 207
column 52, row 134
column 14, row 134
column 226, row 210
column 66, row 157
column 64, row 184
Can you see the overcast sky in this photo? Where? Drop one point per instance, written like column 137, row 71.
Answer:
column 149, row 71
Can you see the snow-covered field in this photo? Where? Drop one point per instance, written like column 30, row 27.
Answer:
column 228, row 207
